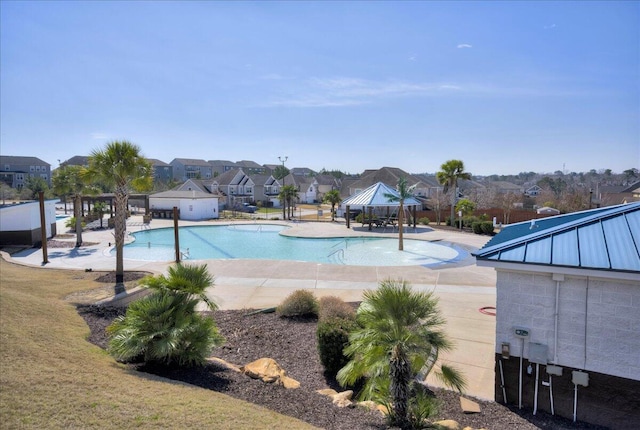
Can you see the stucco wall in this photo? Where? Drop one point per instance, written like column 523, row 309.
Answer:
column 598, row 320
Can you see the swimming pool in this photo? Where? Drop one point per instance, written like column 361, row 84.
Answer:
column 264, row 241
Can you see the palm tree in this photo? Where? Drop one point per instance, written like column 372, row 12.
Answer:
column 399, row 341
column 452, row 171
column 164, row 327
column 121, row 166
column 70, row 181
column 287, row 194
column 404, row 192
column 332, row 197
column 100, row 208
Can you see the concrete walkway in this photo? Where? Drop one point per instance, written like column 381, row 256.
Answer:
column 462, row 288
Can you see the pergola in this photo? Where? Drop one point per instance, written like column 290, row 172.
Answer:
column 377, row 196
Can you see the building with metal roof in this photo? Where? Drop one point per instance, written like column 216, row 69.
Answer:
column 568, row 303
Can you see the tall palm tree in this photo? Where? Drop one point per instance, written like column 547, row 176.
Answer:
column 400, row 336
column 121, row 166
column 70, row 181
column 332, row 197
column 164, row 327
column 287, row 194
column 452, row 171
column 404, row 192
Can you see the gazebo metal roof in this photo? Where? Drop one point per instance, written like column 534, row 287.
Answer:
column 376, row 195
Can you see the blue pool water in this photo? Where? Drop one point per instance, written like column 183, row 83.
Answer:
column 264, row 241
column 61, row 217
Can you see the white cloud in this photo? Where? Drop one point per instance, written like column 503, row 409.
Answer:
column 548, row 27
column 346, row 91
column 464, row 45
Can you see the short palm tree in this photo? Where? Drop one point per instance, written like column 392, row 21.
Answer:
column 332, row 197
column 452, row 171
column 70, row 181
column 120, row 166
column 404, row 192
column 399, row 340
column 164, row 327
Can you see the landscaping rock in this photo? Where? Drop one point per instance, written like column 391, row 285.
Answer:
column 269, row 371
column 448, row 424
column 343, row 399
column 469, row 406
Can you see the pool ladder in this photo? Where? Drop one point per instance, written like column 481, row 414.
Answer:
column 337, row 251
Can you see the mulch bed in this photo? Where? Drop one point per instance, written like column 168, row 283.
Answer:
column 292, row 343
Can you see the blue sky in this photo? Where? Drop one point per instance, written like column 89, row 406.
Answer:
column 504, row 86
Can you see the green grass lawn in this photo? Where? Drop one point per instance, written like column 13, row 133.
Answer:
column 51, row 377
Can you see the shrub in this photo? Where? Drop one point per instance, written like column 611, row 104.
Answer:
column 297, row 304
column 487, row 227
column 334, row 307
column 424, row 221
column 71, row 223
column 477, row 227
column 359, row 217
column 333, row 337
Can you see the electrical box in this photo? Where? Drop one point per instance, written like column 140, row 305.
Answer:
column 521, row 332
column 580, row 378
column 554, row 370
column 506, row 350
column 538, row 353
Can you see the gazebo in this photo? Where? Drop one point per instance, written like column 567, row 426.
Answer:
column 377, row 196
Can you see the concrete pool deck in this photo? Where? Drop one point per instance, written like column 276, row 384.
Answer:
column 462, row 288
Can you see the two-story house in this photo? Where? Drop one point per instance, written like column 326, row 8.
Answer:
column 237, row 186
column 218, row 167
column 189, row 168
column 266, row 190
column 15, row 170
column 162, row 172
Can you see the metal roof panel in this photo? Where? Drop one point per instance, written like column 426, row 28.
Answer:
column 622, row 250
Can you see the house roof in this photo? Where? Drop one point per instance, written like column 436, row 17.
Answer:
column 375, row 195
column 156, row 162
column 191, row 162
column 12, row 159
column 176, row 194
column 601, row 239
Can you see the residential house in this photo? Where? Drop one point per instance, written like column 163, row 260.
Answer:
column 302, row 171
column 251, row 167
column 324, row 184
column 237, row 186
column 615, row 194
column 533, row 191
column 162, row 172
column 567, row 319
column 76, row 160
column 189, row 168
column 218, row 167
column 196, row 199
column 266, row 189
column 15, row 170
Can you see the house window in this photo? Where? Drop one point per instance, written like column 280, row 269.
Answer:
column 32, row 168
column 43, row 176
column 6, row 167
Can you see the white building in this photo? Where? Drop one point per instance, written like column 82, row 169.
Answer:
column 20, row 223
column 568, row 314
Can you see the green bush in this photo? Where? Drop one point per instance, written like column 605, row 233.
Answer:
column 487, row 227
column 424, row 221
column 359, row 217
column 482, row 227
column 70, row 223
column 334, row 307
column 333, row 337
column 297, row 304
